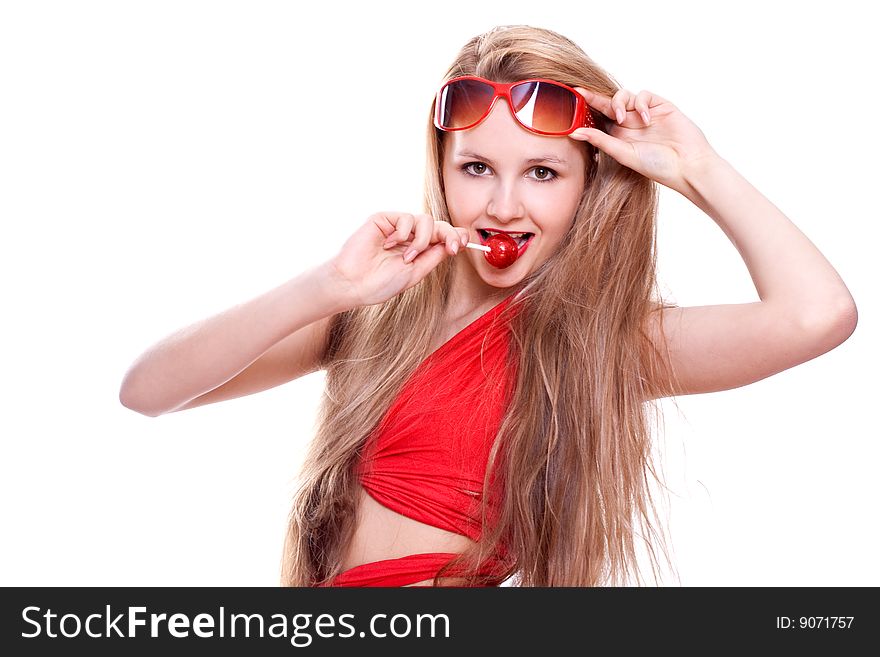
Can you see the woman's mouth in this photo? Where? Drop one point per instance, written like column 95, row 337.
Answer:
column 522, row 239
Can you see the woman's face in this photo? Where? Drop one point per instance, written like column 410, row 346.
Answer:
column 498, row 175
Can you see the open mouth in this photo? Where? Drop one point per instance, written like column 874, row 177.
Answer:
column 521, row 239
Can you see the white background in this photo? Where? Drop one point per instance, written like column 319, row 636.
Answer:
column 159, row 163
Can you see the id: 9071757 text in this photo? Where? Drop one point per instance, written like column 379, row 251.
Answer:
column 814, row 622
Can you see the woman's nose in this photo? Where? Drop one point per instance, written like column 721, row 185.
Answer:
column 505, row 203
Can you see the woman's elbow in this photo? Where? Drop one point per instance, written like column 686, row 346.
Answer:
column 846, row 319
column 129, row 398
column 836, row 323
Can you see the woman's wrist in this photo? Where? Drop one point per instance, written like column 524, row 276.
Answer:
column 333, row 289
column 698, row 167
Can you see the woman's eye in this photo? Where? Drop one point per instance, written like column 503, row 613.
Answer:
column 477, row 171
column 543, row 173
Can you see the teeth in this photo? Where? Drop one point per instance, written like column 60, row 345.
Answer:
column 513, row 235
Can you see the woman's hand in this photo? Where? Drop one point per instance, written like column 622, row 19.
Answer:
column 371, row 264
column 650, row 136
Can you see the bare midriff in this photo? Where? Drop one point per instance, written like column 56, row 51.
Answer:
column 381, row 533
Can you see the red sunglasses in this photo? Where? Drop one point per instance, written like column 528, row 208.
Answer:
column 542, row 106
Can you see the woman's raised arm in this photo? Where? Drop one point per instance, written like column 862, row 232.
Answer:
column 281, row 329
column 281, row 334
column 805, row 308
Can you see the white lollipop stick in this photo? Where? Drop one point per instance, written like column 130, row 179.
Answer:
column 472, row 245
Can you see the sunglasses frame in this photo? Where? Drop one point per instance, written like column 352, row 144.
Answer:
column 582, row 117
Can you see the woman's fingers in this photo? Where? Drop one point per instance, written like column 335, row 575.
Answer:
column 421, row 231
column 643, row 106
column 614, row 108
column 620, row 150
column 431, row 232
column 603, row 103
column 621, row 103
column 597, row 101
column 424, row 229
column 456, row 238
column 401, row 224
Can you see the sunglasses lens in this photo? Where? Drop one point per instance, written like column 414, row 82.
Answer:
column 544, row 106
column 463, row 103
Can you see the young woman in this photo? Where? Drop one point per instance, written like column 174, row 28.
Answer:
column 487, row 414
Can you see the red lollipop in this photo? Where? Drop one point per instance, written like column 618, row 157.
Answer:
column 504, row 250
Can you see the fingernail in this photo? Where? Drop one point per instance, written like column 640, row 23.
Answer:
column 389, row 244
column 409, row 255
column 646, row 118
column 455, row 247
column 620, row 115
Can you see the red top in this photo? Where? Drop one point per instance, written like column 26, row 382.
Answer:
column 428, row 457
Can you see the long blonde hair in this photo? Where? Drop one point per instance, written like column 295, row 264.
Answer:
column 574, row 446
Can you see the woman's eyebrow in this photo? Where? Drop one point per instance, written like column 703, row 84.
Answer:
column 533, row 160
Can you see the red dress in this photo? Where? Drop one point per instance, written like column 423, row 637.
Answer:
column 428, row 457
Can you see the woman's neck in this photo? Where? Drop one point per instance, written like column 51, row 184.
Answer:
column 470, row 296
